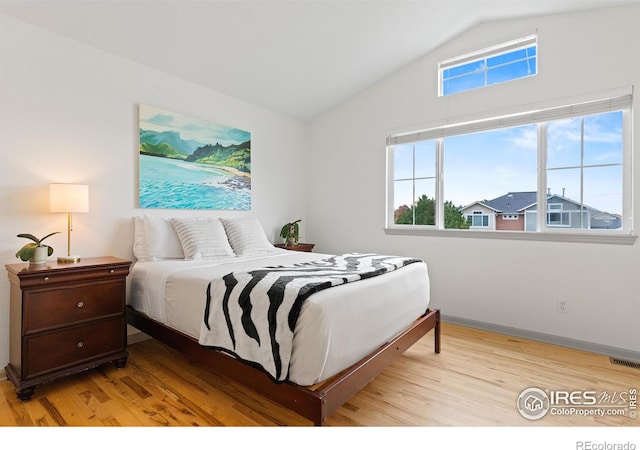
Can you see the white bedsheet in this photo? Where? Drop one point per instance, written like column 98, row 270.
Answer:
column 336, row 328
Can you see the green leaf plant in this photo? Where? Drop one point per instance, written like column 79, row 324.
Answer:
column 290, row 232
column 27, row 252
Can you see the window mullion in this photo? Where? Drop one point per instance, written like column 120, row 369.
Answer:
column 542, row 178
column 582, row 224
column 439, row 210
column 390, row 184
column 486, row 73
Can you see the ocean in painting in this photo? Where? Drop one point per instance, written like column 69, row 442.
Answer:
column 171, row 183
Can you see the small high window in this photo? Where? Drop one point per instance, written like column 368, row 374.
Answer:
column 504, row 62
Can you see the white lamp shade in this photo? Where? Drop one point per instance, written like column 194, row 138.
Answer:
column 69, row 198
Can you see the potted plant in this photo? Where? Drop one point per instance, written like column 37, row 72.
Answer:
column 290, row 233
column 35, row 252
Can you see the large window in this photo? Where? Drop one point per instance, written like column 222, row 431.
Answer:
column 572, row 163
column 507, row 61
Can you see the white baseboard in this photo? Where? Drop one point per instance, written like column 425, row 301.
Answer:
column 591, row 347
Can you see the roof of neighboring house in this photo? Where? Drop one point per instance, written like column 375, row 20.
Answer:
column 517, row 202
column 478, row 203
column 513, row 202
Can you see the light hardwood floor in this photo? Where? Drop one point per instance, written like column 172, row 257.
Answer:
column 474, row 381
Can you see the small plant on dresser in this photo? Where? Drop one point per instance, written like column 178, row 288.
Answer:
column 35, row 252
column 290, row 233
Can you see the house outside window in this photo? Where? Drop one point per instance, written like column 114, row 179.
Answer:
column 581, row 179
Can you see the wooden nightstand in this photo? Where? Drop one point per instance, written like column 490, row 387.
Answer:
column 301, row 247
column 65, row 318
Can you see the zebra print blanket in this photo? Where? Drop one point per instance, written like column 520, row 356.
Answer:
column 252, row 314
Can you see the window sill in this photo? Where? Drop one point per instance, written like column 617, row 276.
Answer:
column 591, row 238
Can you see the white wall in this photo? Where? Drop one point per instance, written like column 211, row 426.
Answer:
column 498, row 282
column 69, row 113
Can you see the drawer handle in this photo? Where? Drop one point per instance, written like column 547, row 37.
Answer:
column 112, row 271
column 80, row 304
column 79, row 344
column 46, row 278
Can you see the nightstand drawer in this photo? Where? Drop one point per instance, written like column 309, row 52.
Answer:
column 31, row 278
column 54, row 307
column 56, row 350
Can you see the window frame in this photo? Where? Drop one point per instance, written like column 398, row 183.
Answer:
column 483, row 217
column 618, row 100
column 482, row 55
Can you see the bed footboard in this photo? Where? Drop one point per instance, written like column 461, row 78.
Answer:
column 315, row 403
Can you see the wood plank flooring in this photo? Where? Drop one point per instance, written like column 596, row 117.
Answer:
column 474, row 382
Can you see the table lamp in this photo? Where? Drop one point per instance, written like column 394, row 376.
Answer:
column 69, row 198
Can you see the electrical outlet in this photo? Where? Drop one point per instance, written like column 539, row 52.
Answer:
column 562, row 305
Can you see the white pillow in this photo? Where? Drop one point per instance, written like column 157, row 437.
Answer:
column 246, row 236
column 139, row 240
column 202, row 238
column 162, row 240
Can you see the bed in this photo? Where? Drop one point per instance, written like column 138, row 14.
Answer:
column 343, row 335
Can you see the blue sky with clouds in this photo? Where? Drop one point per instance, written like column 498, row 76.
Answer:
column 489, row 164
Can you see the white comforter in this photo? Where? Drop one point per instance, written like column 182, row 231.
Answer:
column 336, row 328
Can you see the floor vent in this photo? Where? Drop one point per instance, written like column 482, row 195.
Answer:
column 622, row 362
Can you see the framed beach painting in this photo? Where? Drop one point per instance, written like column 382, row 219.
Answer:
column 188, row 163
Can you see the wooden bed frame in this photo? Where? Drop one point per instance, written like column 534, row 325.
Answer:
column 316, row 402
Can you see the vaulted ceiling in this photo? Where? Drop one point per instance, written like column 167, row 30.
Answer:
column 296, row 57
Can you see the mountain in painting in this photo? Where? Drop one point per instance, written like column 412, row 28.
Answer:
column 237, row 156
column 166, row 143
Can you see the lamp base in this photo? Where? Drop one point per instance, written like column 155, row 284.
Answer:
column 69, row 259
